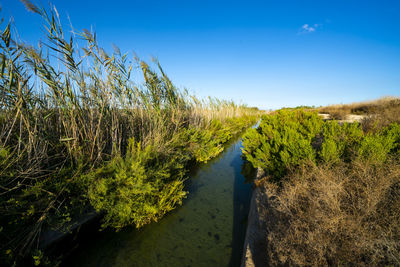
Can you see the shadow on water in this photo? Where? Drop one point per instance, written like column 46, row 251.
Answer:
column 244, row 173
column 207, row 230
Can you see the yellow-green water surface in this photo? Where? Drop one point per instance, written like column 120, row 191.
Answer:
column 207, row 230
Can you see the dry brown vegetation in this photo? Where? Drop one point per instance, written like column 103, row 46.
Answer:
column 383, row 110
column 346, row 214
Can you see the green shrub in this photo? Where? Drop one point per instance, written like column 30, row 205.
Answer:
column 282, row 141
column 339, row 141
column 375, row 148
column 393, row 132
column 137, row 188
column 331, row 151
column 202, row 144
column 288, row 138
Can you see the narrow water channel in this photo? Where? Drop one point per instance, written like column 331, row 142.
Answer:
column 207, row 230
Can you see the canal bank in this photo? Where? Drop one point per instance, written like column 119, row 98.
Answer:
column 255, row 243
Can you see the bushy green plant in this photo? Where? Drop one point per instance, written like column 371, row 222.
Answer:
column 282, row 140
column 393, row 132
column 375, row 147
column 331, row 151
column 339, row 141
column 137, row 188
column 202, row 145
column 287, row 138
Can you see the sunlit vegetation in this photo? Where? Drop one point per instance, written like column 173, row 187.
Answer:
column 386, row 108
column 78, row 129
column 333, row 189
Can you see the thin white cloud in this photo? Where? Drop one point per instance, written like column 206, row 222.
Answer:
column 307, row 28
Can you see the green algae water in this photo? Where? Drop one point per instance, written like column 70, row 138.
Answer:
column 207, row 230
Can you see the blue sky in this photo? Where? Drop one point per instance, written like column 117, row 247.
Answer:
column 268, row 54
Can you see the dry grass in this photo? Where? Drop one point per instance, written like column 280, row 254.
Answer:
column 383, row 116
column 386, row 109
column 336, row 215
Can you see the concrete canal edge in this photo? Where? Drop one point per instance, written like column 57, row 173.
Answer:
column 52, row 236
column 255, row 244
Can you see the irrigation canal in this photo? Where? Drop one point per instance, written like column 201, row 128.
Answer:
column 207, row 230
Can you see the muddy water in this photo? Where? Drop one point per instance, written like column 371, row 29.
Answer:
column 207, row 230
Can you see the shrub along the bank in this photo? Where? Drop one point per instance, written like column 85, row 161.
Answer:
column 282, row 141
column 333, row 189
column 288, row 139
